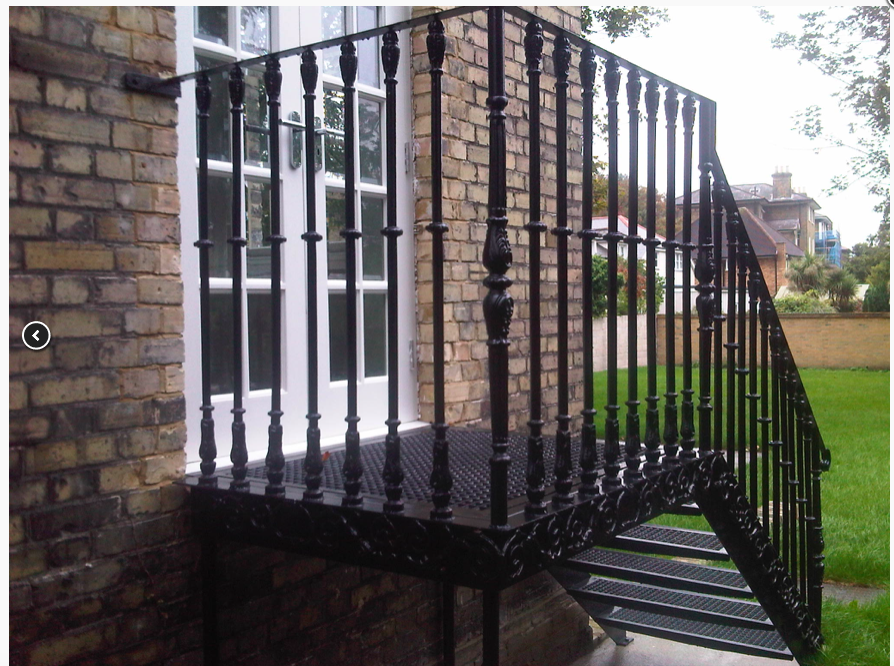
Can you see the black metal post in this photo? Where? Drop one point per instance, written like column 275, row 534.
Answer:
column 392, row 473
column 687, row 424
column 758, row 461
column 210, row 636
column 535, row 471
column 718, row 191
column 652, row 434
column 207, row 447
column 238, row 452
column 817, row 544
column 766, row 400
column 704, row 273
column 563, row 469
column 632, row 443
column 776, row 420
column 275, row 461
column 313, row 460
column 448, row 623
column 497, row 260
column 746, row 471
column 732, row 249
column 353, row 469
column 671, row 434
column 491, row 637
column 612, row 426
column 588, row 474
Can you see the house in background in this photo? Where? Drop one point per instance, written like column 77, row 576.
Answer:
column 828, row 240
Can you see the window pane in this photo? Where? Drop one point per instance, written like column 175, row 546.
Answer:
column 334, row 118
column 257, row 223
column 256, row 29
column 260, row 341
column 369, row 115
column 335, row 244
column 220, row 193
column 333, row 25
column 338, row 337
column 256, row 142
column 374, row 335
column 219, row 113
column 211, row 24
column 368, row 50
column 372, row 219
column 221, row 342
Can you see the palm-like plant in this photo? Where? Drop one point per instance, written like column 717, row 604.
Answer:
column 808, row 274
column 842, row 288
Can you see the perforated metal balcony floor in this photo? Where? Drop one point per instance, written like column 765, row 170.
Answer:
column 467, row 550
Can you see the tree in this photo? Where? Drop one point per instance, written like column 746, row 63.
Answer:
column 864, row 257
column 842, row 288
column 600, row 286
column 600, row 201
column 615, row 22
column 808, row 273
column 852, row 46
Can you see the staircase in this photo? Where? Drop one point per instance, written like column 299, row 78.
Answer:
column 630, row 585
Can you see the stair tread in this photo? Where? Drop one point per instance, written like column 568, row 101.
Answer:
column 763, row 642
column 622, row 593
column 671, row 541
column 619, row 564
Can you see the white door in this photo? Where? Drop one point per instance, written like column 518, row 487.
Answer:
column 215, row 35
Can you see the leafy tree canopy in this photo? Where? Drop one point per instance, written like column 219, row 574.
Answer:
column 852, row 46
column 614, row 22
column 600, row 201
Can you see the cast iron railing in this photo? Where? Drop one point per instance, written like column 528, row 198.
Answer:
column 758, row 416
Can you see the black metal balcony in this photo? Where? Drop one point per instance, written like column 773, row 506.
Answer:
column 487, row 508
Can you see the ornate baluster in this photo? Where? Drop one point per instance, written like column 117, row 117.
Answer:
column 392, row 473
column 776, row 420
column 791, row 459
column 535, row 471
column 718, row 191
column 732, row 245
column 745, row 471
column 562, row 59
column 817, row 544
column 239, row 452
column 671, row 434
column 207, row 447
column 632, row 445
column 497, row 260
column 612, row 426
column 441, row 480
column 757, row 468
column 687, row 423
column 785, row 461
column 704, row 273
column 765, row 399
column 652, row 435
column 352, row 468
column 588, row 431
column 313, row 461
column 803, row 489
column 275, row 460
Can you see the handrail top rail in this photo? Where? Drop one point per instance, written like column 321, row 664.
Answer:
column 518, row 12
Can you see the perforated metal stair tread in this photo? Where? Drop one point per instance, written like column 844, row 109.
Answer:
column 674, row 541
column 670, row 574
column 470, row 451
column 756, row 642
column 691, row 605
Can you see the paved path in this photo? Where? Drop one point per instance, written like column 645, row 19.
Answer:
column 648, row 651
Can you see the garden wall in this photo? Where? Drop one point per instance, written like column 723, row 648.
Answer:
column 851, row 340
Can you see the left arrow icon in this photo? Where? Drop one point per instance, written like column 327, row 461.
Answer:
column 36, row 335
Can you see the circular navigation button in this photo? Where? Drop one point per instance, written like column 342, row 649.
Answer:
column 36, row 335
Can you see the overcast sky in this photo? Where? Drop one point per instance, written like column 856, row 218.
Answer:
column 725, row 53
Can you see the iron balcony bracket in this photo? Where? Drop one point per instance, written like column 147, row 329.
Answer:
column 152, row 85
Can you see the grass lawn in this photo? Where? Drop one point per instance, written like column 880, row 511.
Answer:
column 852, row 410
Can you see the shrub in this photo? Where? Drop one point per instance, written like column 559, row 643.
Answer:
column 802, row 304
column 600, row 287
column 877, row 299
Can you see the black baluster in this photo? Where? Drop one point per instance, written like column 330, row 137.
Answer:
column 535, row 472
column 652, row 434
column 803, row 491
column 562, row 59
column 785, row 461
column 275, row 461
column 765, row 400
column 791, row 459
column 588, row 473
column 776, row 420
column 757, row 468
column 207, row 447
column 313, row 461
column 392, row 474
column 497, row 260
column 687, row 423
column 612, row 426
column 745, row 471
column 352, row 468
column 632, row 445
column 718, row 191
column 817, row 544
column 239, row 452
column 671, row 434
column 732, row 249
column 441, row 480
column 704, row 273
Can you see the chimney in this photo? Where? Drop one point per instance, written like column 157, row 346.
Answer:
column 782, row 184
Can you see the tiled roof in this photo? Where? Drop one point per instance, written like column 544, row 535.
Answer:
column 763, row 238
column 751, row 192
column 780, row 225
